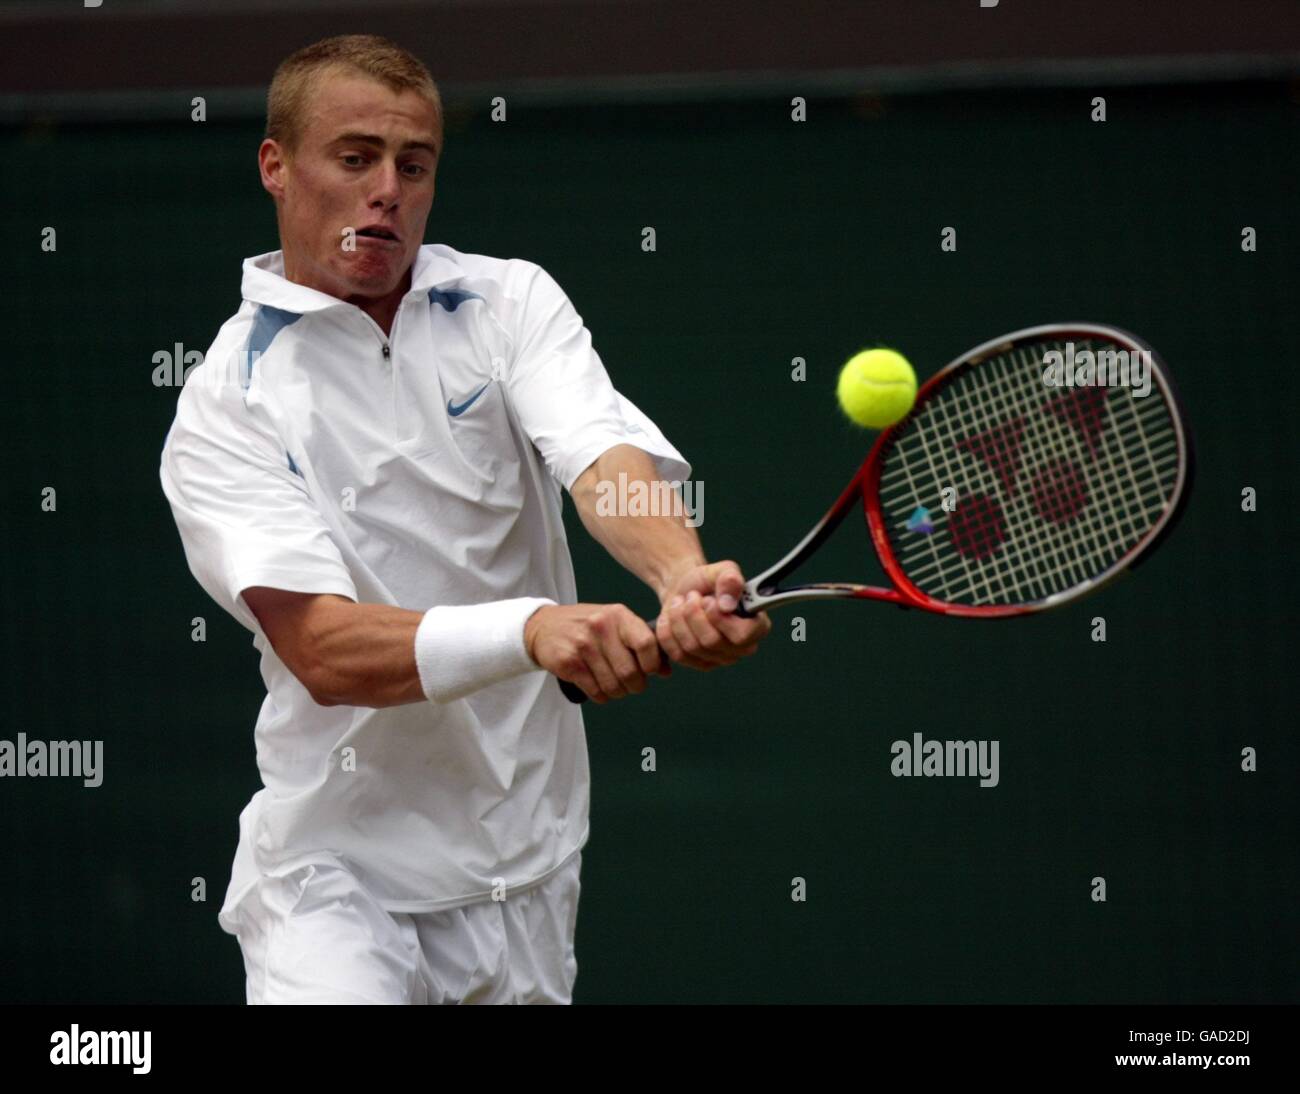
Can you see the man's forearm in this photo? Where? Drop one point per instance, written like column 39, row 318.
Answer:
column 375, row 655
column 353, row 654
column 655, row 548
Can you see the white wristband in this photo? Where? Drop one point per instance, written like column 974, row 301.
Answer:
column 461, row 648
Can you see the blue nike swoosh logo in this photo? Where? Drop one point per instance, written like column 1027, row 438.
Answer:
column 457, row 411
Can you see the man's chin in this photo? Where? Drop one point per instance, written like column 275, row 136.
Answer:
column 372, row 278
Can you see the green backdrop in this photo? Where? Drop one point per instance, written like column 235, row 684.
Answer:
column 776, row 240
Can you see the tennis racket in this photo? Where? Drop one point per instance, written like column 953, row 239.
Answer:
column 1002, row 493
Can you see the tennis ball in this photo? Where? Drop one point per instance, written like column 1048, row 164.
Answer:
column 877, row 387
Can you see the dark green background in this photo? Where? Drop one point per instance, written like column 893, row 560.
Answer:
column 775, row 240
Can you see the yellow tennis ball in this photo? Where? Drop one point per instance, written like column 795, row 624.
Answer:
column 877, row 387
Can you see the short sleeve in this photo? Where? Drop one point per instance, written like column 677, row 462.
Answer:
column 244, row 517
column 562, row 394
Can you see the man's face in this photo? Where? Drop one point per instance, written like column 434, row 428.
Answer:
column 366, row 159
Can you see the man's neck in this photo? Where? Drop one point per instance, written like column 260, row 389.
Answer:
column 383, row 309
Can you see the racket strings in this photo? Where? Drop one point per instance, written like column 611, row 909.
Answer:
column 954, row 426
column 1053, row 486
column 1052, row 558
column 1033, row 567
column 1007, row 570
column 1031, row 564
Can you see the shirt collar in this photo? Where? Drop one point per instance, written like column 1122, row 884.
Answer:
column 264, row 281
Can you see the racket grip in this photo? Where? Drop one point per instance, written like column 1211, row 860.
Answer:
column 575, row 694
column 572, row 692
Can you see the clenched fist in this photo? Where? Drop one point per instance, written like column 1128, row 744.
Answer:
column 698, row 627
column 606, row 649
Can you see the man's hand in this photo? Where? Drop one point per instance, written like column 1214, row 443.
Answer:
column 606, row 649
column 697, row 627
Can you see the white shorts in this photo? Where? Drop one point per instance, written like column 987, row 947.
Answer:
column 316, row 936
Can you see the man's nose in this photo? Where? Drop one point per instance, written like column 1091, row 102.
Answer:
column 387, row 184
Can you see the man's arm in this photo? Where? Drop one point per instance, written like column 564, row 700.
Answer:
column 696, row 626
column 342, row 652
column 658, row 549
column 376, row 655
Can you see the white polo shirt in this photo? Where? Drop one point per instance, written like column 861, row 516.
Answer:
column 417, row 470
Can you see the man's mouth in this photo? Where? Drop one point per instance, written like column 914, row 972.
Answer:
column 376, row 232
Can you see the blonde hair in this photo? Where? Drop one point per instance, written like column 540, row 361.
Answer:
column 365, row 54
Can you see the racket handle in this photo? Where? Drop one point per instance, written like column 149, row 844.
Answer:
column 575, row 694
column 572, row 692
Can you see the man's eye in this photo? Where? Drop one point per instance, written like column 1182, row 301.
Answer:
column 353, row 156
column 420, row 169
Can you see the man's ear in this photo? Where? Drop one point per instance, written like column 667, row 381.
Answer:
column 272, row 163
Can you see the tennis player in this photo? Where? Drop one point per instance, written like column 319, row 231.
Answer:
column 365, row 472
